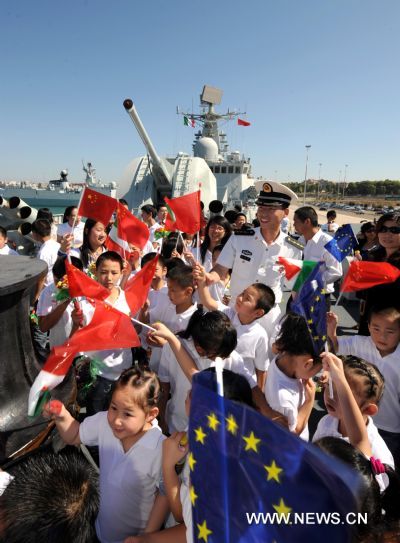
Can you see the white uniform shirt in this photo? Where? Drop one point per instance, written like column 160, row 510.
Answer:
column 252, row 344
column 388, row 416
column 328, row 426
column 314, row 250
column 171, row 372
column 165, row 312
column 48, row 252
column 6, row 250
column 65, row 228
column 254, row 261
column 286, row 395
column 115, row 360
column 47, row 302
column 128, row 480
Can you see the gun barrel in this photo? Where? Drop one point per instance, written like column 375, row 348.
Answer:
column 133, row 114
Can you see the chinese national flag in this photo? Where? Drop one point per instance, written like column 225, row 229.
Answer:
column 80, row 284
column 97, row 206
column 137, row 288
column 362, row 275
column 130, row 228
column 184, row 213
column 241, row 122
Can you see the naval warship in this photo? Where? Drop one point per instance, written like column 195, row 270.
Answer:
column 59, row 192
column 223, row 176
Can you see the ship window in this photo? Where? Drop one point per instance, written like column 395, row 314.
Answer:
column 217, row 169
column 230, row 169
column 212, row 168
column 223, row 169
column 245, row 169
column 237, row 169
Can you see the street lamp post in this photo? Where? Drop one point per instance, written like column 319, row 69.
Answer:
column 338, row 185
column 305, row 175
column 319, row 179
column 344, row 178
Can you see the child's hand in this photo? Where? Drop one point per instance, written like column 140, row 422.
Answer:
column 309, row 390
column 188, row 256
column 175, row 254
column 127, row 268
column 199, row 273
column 53, row 410
column 161, row 332
column 334, row 365
column 175, row 448
column 331, row 323
column 77, row 317
column 66, row 243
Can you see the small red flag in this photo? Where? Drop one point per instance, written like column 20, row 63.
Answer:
column 137, row 288
column 80, row 284
column 184, row 213
column 362, row 275
column 130, row 228
column 241, row 122
column 97, row 206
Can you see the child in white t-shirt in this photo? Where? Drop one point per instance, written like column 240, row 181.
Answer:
column 5, row 249
column 252, row 304
column 55, row 317
column 381, row 348
column 365, row 382
column 290, row 388
column 109, row 267
column 130, row 449
column 209, row 339
column 174, row 311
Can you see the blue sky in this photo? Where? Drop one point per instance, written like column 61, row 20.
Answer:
column 319, row 72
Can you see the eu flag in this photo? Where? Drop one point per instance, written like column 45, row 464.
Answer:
column 244, row 467
column 311, row 304
column 343, row 243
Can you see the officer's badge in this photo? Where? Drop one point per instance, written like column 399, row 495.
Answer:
column 267, row 187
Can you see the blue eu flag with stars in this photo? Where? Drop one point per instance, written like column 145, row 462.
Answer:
column 252, row 481
column 343, row 243
column 311, row 304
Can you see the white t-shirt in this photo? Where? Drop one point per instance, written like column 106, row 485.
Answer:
column 328, row 426
column 333, row 227
column 128, row 480
column 286, row 395
column 171, row 372
column 165, row 312
column 388, row 416
column 252, row 342
column 207, row 264
column 48, row 252
column 6, row 250
column 186, row 502
column 115, row 360
column 59, row 333
column 65, row 228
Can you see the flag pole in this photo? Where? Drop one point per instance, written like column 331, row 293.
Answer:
column 143, row 324
column 73, row 224
column 198, row 247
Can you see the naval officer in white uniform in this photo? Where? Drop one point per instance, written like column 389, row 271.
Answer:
column 252, row 254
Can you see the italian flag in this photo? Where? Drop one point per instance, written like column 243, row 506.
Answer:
column 296, row 271
column 189, row 121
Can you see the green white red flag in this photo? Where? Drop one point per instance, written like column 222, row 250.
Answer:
column 296, row 271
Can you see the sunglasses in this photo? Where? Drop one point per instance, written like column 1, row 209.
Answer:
column 391, row 229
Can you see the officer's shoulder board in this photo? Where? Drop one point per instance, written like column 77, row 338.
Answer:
column 244, row 232
column 294, row 242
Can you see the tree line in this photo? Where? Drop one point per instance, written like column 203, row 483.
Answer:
column 387, row 187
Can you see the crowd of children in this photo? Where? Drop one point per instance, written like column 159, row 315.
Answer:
column 140, row 396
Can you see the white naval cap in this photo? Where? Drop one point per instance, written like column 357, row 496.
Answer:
column 274, row 193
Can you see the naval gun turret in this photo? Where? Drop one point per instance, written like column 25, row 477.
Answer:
column 148, row 179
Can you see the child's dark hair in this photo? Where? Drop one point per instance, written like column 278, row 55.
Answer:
column 294, row 337
column 174, row 262
column 3, row 232
column 236, row 387
column 373, row 382
column 266, row 297
column 212, row 331
column 370, row 498
column 151, row 256
column 67, row 213
column 109, row 255
column 384, row 311
column 59, row 266
column 144, row 383
column 45, row 213
column 182, row 275
column 170, row 244
column 41, row 227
